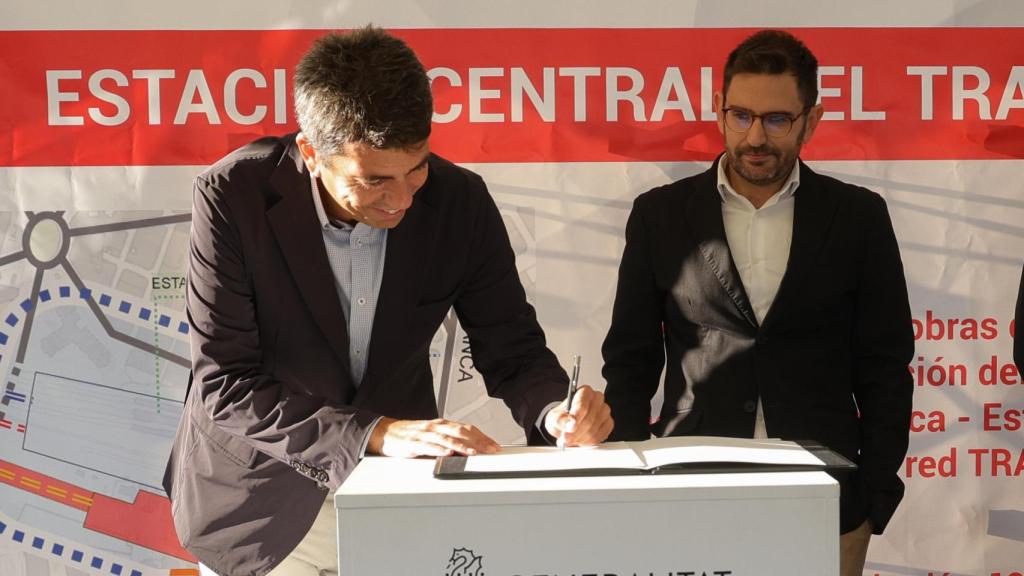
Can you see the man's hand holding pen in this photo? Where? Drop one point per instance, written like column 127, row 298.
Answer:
column 587, row 422
column 583, row 418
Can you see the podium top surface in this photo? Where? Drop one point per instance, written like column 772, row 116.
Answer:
column 401, row 483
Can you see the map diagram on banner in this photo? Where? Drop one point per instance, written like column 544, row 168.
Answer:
column 94, row 358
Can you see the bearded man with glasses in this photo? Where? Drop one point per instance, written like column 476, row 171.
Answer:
column 772, row 296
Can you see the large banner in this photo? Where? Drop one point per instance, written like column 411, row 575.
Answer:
column 108, row 110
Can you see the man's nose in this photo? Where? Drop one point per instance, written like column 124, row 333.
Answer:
column 756, row 135
column 401, row 195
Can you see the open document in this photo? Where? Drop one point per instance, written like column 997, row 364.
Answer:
column 679, row 454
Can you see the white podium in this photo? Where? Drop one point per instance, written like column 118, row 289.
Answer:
column 396, row 519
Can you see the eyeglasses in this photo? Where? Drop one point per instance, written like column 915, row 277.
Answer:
column 774, row 124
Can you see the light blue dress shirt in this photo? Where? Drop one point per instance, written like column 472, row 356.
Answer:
column 356, row 254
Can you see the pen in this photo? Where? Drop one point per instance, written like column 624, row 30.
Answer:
column 573, row 383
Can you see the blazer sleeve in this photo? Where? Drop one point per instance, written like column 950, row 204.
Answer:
column 319, row 439
column 634, row 349
column 883, row 348
column 508, row 344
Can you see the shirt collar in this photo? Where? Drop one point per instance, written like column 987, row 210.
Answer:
column 788, row 187
column 325, row 221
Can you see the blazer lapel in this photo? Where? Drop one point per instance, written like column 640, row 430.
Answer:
column 813, row 211
column 296, row 228
column 704, row 219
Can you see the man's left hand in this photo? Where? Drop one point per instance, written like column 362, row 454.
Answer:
column 586, row 423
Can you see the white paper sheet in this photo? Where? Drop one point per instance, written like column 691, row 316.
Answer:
column 648, row 454
column 536, row 459
column 695, row 449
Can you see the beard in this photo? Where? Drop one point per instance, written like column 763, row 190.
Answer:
column 773, row 169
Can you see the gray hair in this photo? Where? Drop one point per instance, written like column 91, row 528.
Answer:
column 362, row 86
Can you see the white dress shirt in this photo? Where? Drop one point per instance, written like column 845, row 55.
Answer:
column 759, row 240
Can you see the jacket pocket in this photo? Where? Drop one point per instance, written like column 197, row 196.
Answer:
column 234, row 448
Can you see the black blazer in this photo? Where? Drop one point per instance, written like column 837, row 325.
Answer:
column 829, row 362
column 273, row 418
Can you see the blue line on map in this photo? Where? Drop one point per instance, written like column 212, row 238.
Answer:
column 124, row 307
column 15, row 396
column 39, row 543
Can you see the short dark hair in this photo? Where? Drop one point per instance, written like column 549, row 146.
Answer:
column 775, row 52
column 362, row 86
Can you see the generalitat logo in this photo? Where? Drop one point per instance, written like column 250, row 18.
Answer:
column 464, row 563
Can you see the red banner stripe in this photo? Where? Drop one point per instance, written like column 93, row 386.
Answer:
column 507, row 95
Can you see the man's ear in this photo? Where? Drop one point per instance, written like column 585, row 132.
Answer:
column 309, row 154
column 719, row 103
column 813, row 119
